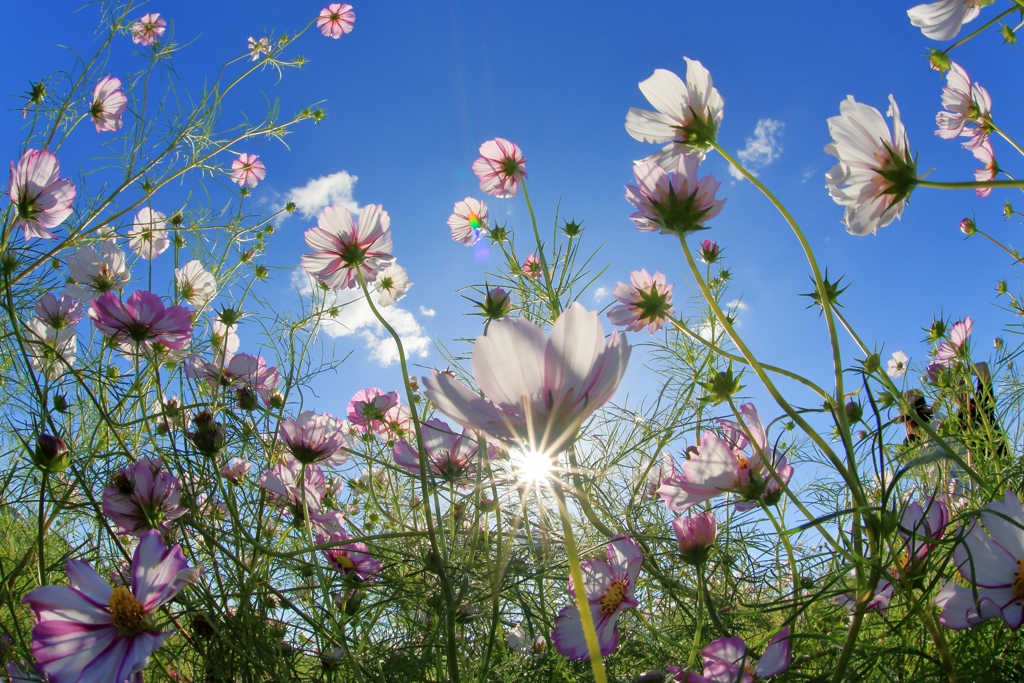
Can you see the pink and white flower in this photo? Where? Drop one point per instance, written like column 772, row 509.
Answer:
column 921, row 526
column 245, row 374
column 500, row 168
column 90, row 631
column 285, row 486
column 196, row 284
column 645, row 302
column 148, row 29
column 943, row 19
column 367, row 408
column 108, row 104
column 537, row 390
column 148, row 238
column 721, row 465
column 468, row 221
column 247, row 170
column 688, row 115
column 898, row 365
column 316, row 438
column 992, row 565
column 336, row 20
column 50, row 351
column 142, row 321
column 727, row 660
column 93, row 272
column 42, row 199
column 965, row 104
column 695, row 536
column 450, row 455
column 391, row 285
column 351, row 559
column 709, row 251
column 532, row 267
column 235, row 469
column 951, row 349
column 876, row 171
column 397, row 422
column 143, row 496
column 59, row 313
column 673, row 202
column 345, row 250
column 258, row 48
column 878, row 601
column 989, row 170
column 610, row 590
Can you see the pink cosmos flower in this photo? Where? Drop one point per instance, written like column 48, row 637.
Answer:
column 94, row 272
column 316, row 438
column 987, row 156
column 496, row 304
column 645, row 302
column 943, row 19
column 610, row 586
column 538, row 390
column 397, row 422
column 727, row 660
column 42, row 200
column 336, row 20
column 656, row 470
column 673, row 202
column 148, row 29
column 688, row 115
column 285, row 487
column 709, row 251
column 951, row 349
column 108, row 103
column 344, row 250
column 992, row 566
column 876, row 171
column 450, row 455
column 247, row 170
column 234, row 470
column 141, row 321
column 879, row 602
column 965, row 104
column 898, row 365
column 59, row 313
column 367, row 408
column 721, row 465
column 921, row 526
column 260, row 47
column 143, row 496
column 351, row 559
column 500, row 167
column 245, row 374
column 327, row 522
column 695, row 536
column 532, row 267
column 89, row 631
column 468, row 221
column 148, row 238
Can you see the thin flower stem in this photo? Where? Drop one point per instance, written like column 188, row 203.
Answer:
column 582, row 602
column 41, row 535
column 1006, row 137
column 1016, row 257
column 980, row 29
column 695, row 648
column 781, row 531
column 554, row 303
column 970, row 184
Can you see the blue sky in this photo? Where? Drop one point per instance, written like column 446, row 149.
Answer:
column 415, row 89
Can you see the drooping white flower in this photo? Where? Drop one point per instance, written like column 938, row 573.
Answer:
column 943, row 19
column 197, row 286
column 391, row 285
column 968, row 109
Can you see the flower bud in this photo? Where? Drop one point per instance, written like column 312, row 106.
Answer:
column 496, row 304
column 723, row 386
column 709, row 251
column 572, row 228
column 998, row 343
column 939, row 60
column 695, row 535
column 50, row 454
column 209, row 436
column 854, row 411
column 652, row 677
column 968, row 226
column 1001, row 287
column 60, row 403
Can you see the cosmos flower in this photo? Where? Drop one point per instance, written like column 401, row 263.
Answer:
column 344, row 250
column 367, row 408
column 879, row 602
column 285, row 487
column 143, row 496
column 148, row 238
column 727, row 660
column 537, row 390
column 500, row 168
column 108, row 104
column 94, row 272
column 51, row 351
column 991, row 565
column 645, row 302
column 673, row 202
column 141, row 321
column 876, row 172
column 898, row 365
column 351, row 559
column 695, row 536
column 59, row 313
column 89, row 631
column 316, row 438
column 336, row 20
column 951, row 349
column 532, row 267
column 247, row 170
column 196, row 284
column 688, row 115
column 943, row 19
column 709, row 251
column 258, row 48
column 450, row 455
column 468, row 221
column 610, row 586
column 921, row 526
column 148, row 29
column 987, row 156
column 968, row 109
column 40, row 197
column 235, row 469
column 391, row 285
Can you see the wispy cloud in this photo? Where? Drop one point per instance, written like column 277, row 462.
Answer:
column 761, row 149
column 427, row 312
column 355, row 319
column 601, row 295
column 329, row 190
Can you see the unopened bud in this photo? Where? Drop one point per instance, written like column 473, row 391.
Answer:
column 695, row 536
column 496, row 304
column 709, row 251
column 939, row 60
column 854, row 411
column 968, row 226
column 209, row 435
column 50, row 454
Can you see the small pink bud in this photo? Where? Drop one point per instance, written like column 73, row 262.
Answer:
column 968, row 226
column 709, row 251
column 695, row 535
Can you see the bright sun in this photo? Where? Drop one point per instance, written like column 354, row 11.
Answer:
column 531, row 467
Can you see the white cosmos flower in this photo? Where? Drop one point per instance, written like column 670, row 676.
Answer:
column 688, row 115
column 876, row 172
column 197, row 286
column 391, row 285
column 95, row 272
column 50, row 351
column 942, row 20
column 898, row 365
column 147, row 238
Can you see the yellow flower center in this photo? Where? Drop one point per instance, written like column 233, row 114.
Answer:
column 743, row 460
column 613, row 597
column 345, row 563
column 126, row 612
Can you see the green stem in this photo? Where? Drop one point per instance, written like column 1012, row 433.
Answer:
column 695, row 648
column 970, row 184
column 556, row 305
column 41, row 536
column 980, row 29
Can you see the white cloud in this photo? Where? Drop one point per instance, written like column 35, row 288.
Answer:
column 736, row 305
column 355, row 319
column 328, row 190
column 762, row 149
column 427, row 312
column 601, row 295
